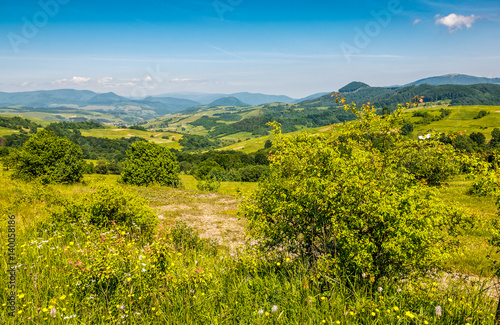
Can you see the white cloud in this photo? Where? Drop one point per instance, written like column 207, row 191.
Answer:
column 74, row 80
column 188, row 80
column 104, row 80
column 455, row 22
column 416, row 21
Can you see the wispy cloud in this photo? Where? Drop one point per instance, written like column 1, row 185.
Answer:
column 455, row 22
column 74, row 80
column 226, row 52
column 416, row 21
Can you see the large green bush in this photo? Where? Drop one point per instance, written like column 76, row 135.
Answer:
column 49, row 159
column 107, row 207
column 149, row 163
column 347, row 201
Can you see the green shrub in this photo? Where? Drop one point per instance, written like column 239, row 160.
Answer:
column 431, row 161
column 356, row 208
column 49, row 159
column 106, row 207
column 186, row 238
column 149, row 163
column 406, row 129
column 210, row 185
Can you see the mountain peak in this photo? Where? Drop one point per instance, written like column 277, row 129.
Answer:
column 228, row 101
column 353, row 86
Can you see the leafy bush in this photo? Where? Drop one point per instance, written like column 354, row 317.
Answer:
column 186, row 238
column 210, row 185
column 431, row 161
column 480, row 114
column 137, row 127
column 149, row 163
column 355, row 208
column 49, row 159
column 478, row 138
column 252, row 173
column 406, row 129
column 107, row 207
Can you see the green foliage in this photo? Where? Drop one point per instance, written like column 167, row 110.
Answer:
column 480, row 114
column 205, row 121
column 190, row 142
column 149, row 163
column 353, row 86
column 228, row 117
column 478, row 138
column 137, row 127
column 186, row 238
column 210, row 184
column 352, row 205
column 431, row 161
column 481, row 94
column 86, row 125
column 17, row 123
column 107, row 207
column 406, row 129
column 49, row 159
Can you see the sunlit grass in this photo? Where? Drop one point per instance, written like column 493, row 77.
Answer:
column 107, row 278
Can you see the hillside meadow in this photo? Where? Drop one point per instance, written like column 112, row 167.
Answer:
column 180, row 277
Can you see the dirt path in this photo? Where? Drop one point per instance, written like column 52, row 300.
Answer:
column 212, row 215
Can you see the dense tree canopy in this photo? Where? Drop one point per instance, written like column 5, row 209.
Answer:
column 149, row 163
column 48, row 158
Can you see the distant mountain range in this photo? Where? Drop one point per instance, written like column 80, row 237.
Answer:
column 87, row 99
column 245, row 97
column 159, row 105
column 455, row 79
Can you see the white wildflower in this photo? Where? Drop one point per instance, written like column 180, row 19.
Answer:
column 439, row 311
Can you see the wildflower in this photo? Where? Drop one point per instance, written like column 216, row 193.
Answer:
column 373, row 314
column 53, row 312
column 21, row 296
column 267, row 314
column 409, row 314
column 439, row 311
column 278, row 263
column 395, row 308
column 45, row 310
column 62, row 297
column 261, row 311
column 399, row 290
column 380, row 289
column 274, row 308
column 363, row 275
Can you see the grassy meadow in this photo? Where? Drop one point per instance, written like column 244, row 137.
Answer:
column 205, row 276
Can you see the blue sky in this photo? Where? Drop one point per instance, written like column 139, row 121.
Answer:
column 295, row 48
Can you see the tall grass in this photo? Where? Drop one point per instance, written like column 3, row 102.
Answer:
column 109, row 277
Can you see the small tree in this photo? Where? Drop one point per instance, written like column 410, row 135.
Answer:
column 149, row 163
column 50, row 159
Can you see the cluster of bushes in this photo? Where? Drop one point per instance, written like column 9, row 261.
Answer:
column 474, row 142
column 104, row 167
column 137, row 127
column 191, row 142
column 84, row 125
column 227, row 165
column 18, row 123
column 427, row 117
